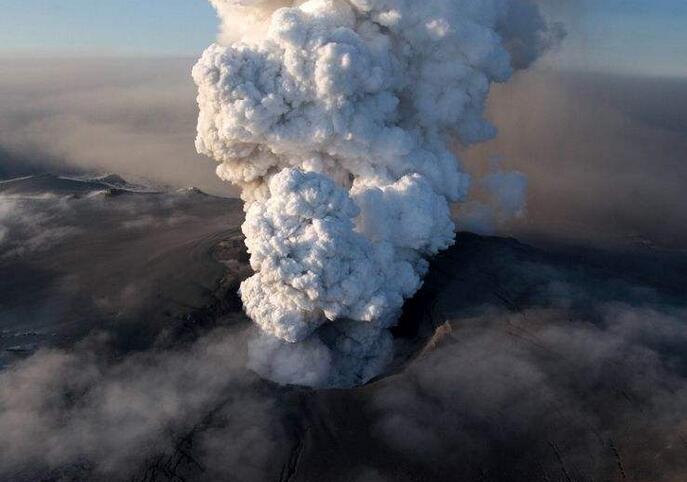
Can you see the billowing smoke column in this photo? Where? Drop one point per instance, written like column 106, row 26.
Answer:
column 334, row 116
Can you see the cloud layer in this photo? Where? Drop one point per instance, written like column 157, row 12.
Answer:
column 130, row 117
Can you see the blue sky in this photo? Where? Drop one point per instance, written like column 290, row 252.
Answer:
column 639, row 36
column 109, row 27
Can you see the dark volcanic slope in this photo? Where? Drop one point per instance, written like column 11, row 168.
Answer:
column 560, row 366
column 564, row 366
column 82, row 255
column 514, row 363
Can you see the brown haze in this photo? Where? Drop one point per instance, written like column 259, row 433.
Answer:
column 603, row 154
column 132, row 117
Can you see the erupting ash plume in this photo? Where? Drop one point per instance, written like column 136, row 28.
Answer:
column 334, row 117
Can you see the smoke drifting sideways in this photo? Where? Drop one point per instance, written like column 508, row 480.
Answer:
column 84, row 414
column 336, row 119
column 90, row 117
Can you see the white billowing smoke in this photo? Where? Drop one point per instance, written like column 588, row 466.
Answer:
column 334, row 116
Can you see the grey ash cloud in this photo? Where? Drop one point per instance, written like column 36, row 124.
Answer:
column 548, row 393
column 603, row 155
column 65, row 408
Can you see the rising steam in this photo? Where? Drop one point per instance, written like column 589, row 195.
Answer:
column 335, row 118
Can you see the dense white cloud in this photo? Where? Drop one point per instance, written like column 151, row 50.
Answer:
column 334, row 118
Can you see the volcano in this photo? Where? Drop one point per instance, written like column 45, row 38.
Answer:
column 512, row 362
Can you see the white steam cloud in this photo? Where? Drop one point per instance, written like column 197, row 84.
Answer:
column 334, row 117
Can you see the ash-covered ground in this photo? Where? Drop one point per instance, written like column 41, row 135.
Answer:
column 123, row 347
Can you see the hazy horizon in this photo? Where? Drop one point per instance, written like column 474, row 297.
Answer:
column 136, row 118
